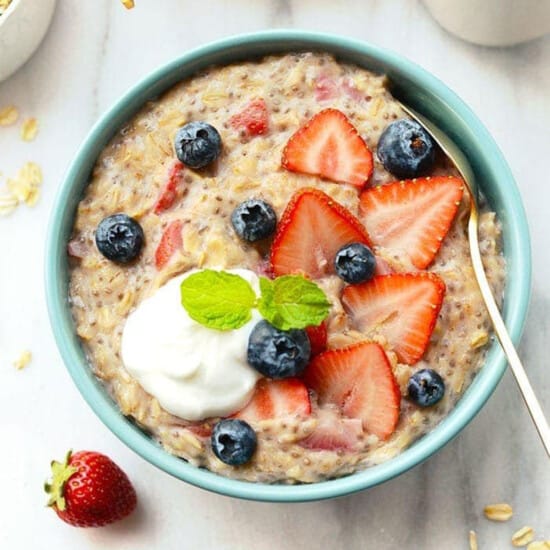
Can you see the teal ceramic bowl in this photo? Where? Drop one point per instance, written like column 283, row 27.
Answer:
column 412, row 84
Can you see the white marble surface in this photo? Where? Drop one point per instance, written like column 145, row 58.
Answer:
column 95, row 51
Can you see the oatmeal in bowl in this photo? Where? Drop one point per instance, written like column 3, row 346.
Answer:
column 269, row 273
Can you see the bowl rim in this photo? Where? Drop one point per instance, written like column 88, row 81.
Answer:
column 485, row 382
column 12, row 8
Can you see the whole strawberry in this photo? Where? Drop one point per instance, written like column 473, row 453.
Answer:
column 89, row 490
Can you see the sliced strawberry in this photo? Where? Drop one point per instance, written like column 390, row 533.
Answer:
column 349, row 88
column 382, row 267
column 402, row 307
column 276, row 399
column 169, row 192
column 325, row 88
column 359, row 380
column 312, row 229
column 412, row 216
column 200, row 430
column 263, row 268
column 170, row 242
column 317, row 338
column 253, row 119
column 329, row 146
column 334, row 432
column 77, row 248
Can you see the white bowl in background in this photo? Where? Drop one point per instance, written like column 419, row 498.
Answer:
column 22, row 28
column 493, row 22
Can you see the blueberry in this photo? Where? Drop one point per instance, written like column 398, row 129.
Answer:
column 406, row 149
column 119, row 238
column 233, row 441
column 426, row 387
column 254, row 220
column 355, row 263
column 278, row 353
column 197, row 144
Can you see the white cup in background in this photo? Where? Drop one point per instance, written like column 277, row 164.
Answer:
column 493, row 22
column 22, row 28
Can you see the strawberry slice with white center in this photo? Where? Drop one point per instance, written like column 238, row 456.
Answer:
column 402, row 307
column 412, row 216
column 359, row 380
column 333, row 432
column 329, row 146
column 312, row 229
column 276, row 399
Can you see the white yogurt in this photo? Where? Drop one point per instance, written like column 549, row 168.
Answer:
column 194, row 372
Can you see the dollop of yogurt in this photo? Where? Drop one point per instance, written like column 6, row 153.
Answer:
column 195, row 372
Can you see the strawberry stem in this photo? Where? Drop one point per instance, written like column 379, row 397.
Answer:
column 55, row 486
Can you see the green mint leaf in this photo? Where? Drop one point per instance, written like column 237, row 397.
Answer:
column 292, row 301
column 217, row 299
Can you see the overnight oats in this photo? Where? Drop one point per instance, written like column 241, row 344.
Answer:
column 270, row 272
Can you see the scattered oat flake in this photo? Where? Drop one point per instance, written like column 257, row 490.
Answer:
column 31, row 172
column 33, row 197
column 27, row 180
column 23, row 360
column 473, row 540
column 20, row 189
column 498, row 512
column 479, row 339
column 539, row 545
column 128, row 4
column 24, row 187
column 523, row 536
column 29, row 129
column 7, row 199
column 8, row 115
column 8, row 203
column 7, row 210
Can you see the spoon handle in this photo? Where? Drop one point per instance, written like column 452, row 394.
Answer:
column 514, row 361
column 460, row 161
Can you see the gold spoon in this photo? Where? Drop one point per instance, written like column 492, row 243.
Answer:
column 461, row 163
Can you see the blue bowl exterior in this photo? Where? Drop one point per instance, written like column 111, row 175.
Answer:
column 423, row 92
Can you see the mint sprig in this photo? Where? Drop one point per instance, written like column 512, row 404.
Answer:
column 291, row 301
column 224, row 301
column 217, row 299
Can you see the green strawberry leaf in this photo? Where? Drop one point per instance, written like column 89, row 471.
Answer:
column 55, row 486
